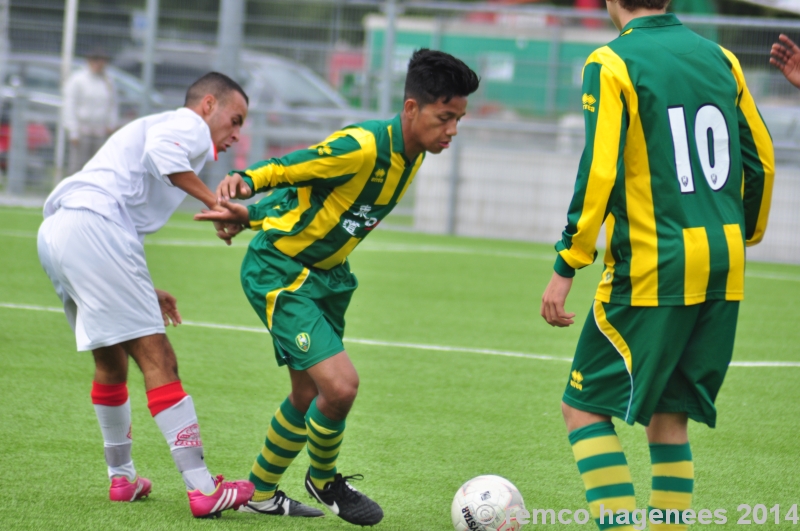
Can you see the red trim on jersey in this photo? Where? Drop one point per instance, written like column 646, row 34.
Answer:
column 109, row 395
column 164, row 397
column 215, row 152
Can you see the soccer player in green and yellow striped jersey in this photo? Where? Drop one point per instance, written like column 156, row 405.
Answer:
column 321, row 203
column 679, row 167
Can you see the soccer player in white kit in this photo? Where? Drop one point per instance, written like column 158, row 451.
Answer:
column 90, row 245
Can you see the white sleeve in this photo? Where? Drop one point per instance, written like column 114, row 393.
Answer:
column 69, row 109
column 112, row 118
column 169, row 147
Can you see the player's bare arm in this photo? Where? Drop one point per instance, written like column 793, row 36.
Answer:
column 553, row 301
column 190, row 183
column 169, row 308
column 785, row 56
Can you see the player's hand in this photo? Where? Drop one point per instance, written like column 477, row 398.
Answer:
column 229, row 219
column 785, row 56
column 553, row 301
column 233, row 187
column 169, row 308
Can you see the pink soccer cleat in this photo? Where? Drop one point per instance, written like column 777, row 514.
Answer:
column 124, row 490
column 227, row 495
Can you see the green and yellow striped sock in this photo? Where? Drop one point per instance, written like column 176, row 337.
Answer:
column 324, row 439
column 286, row 437
column 673, row 483
column 605, row 474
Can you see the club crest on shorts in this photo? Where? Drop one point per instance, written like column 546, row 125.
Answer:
column 303, row 341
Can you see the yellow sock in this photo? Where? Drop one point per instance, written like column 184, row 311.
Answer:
column 673, row 484
column 606, row 476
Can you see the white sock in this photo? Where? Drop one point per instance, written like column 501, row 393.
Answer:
column 179, row 426
column 115, row 425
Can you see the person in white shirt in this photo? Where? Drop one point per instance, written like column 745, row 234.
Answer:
column 90, row 109
column 91, row 246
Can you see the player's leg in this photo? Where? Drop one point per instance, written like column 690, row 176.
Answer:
column 113, row 409
column 673, row 469
column 286, row 438
column 689, row 393
column 102, row 268
column 337, row 381
column 60, row 251
column 174, row 413
column 269, row 279
column 621, row 367
column 599, row 386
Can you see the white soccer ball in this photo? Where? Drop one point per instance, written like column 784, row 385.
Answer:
column 487, row 503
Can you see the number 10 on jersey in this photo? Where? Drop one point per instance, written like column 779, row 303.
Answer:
column 712, row 144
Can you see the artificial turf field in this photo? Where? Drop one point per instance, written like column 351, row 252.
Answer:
column 426, row 418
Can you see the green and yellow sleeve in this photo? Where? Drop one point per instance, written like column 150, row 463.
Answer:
column 328, row 164
column 758, row 158
column 605, row 117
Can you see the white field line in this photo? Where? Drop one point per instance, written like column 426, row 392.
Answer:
column 398, row 248
column 395, row 344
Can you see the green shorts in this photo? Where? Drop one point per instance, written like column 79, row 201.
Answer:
column 302, row 307
column 633, row 361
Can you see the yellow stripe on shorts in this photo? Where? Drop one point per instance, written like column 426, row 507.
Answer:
column 272, row 296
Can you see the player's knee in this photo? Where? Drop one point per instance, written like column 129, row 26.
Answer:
column 343, row 394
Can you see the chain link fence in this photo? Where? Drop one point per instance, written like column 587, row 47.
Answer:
column 313, row 66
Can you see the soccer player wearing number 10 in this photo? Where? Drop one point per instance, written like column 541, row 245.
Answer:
column 679, row 166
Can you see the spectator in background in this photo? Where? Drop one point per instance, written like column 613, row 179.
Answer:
column 90, row 110
column 785, row 56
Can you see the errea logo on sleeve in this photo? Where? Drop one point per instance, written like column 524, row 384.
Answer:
column 588, row 102
column 322, row 149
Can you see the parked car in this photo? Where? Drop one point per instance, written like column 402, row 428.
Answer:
column 268, row 79
column 39, row 76
column 294, row 103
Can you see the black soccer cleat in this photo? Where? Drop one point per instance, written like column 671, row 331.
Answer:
column 343, row 500
column 281, row 505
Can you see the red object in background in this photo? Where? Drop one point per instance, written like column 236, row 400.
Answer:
column 342, row 62
column 38, row 136
column 590, row 4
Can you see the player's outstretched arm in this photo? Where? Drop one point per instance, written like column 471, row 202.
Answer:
column 785, row 56
column 233, row 186
column 553, row 301
column 190, row 183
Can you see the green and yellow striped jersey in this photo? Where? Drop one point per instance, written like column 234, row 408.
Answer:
column 678, row 164
column 325, row 199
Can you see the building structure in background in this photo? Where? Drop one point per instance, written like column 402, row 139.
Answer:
column 529, row 54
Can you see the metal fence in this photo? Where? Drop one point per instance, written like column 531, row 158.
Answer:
column 509, row 174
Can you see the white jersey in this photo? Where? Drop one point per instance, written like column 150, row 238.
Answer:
column 126, row 181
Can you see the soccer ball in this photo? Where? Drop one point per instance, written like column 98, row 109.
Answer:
column 487, row 503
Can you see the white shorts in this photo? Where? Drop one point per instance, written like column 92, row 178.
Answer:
column 100, row 274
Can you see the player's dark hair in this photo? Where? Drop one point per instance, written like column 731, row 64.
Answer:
column 216, row 84
column 632, row 5
column 433, row 75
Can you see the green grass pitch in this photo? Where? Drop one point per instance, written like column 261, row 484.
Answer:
column 425, row 420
